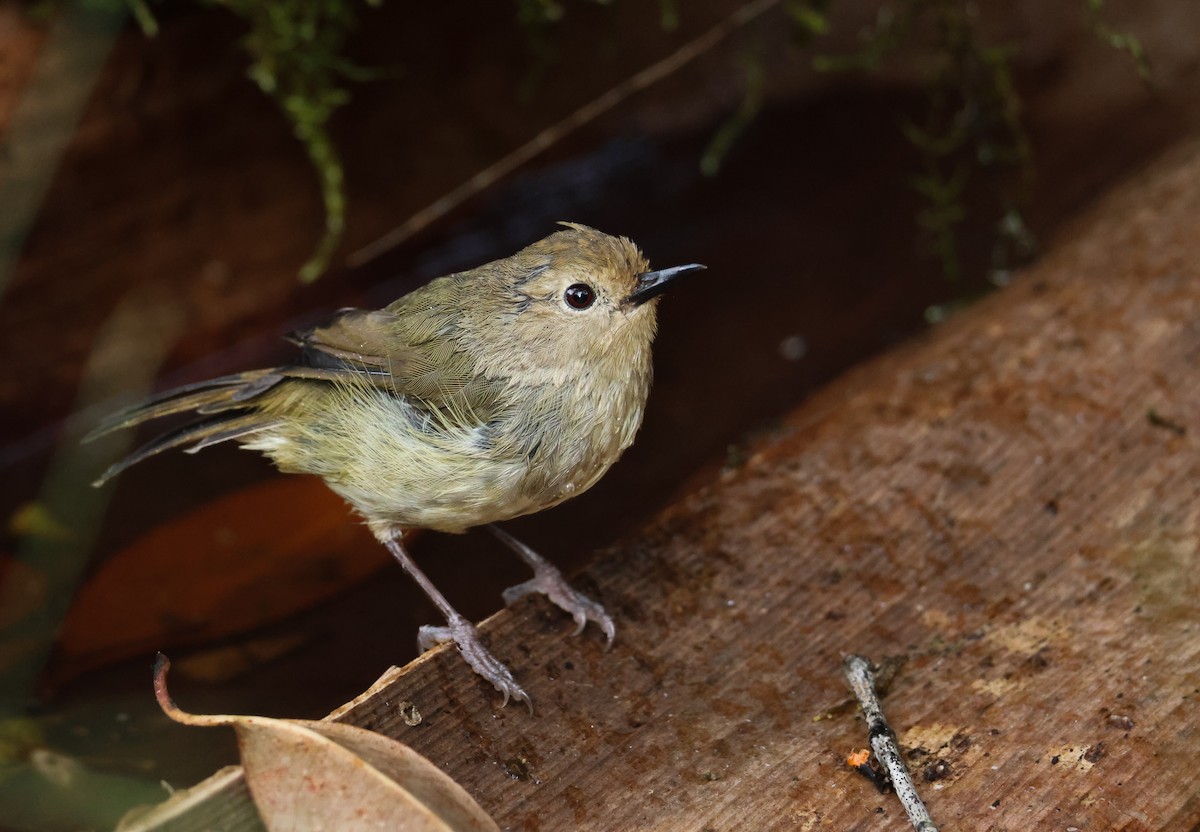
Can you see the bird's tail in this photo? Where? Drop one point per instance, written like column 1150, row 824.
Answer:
column 226, row 405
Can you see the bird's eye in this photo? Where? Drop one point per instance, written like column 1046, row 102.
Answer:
column 579, row 296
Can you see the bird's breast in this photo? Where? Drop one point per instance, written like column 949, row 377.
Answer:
column 577, row 432
column 400, row 466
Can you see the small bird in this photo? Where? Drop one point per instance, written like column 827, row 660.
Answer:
column 482, row 396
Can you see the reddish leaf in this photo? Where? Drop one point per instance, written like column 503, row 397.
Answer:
column 252, row 557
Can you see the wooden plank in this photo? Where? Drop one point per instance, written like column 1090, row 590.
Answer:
column 1008, row 506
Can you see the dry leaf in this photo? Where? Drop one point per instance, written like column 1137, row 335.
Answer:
column 306, row 775
column 255, row 556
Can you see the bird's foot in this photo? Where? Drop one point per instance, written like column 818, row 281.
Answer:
column 464, row 635
column 548, row 581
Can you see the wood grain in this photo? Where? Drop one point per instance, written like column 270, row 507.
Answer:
column 1008, row 506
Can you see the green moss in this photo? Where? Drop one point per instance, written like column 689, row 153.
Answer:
column 296, row 52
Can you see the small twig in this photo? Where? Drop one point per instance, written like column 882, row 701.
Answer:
column 883, row 742
column 556, row 132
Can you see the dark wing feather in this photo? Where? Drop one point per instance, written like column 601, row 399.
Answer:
column 208, row 396
column 355, row 339
column 200, row 434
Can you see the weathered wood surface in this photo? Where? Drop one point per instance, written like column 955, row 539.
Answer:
column 1009, row 505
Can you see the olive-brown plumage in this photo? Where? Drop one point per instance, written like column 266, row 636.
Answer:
column 481, row 396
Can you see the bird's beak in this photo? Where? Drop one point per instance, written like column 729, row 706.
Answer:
column 652, row 284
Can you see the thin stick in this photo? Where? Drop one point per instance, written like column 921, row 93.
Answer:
column 556, row 132
column 883, row 742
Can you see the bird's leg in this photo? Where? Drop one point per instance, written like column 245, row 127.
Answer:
column 550, row 582
column 458, row 629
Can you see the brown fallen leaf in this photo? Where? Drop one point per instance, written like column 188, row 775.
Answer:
column 252, row 557
column 308, row 775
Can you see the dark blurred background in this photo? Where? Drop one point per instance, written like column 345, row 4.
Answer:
column 157, row 208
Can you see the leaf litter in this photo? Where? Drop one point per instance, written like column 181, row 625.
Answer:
column 312, row 775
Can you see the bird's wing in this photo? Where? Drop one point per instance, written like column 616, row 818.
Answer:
column 413, row 352
column 355, row 342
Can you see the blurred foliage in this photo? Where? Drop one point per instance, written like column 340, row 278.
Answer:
column 972, row 126
column 536, row 18
column 971, row 129
column 18, row 737
column 144, row 17
column 810, row 19
column 295, row 48
column 668, row 15
column 1123, row 41
column 729, row 132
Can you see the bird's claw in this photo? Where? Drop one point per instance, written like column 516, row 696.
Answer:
column 466, row 639
column 553, row 585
